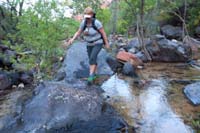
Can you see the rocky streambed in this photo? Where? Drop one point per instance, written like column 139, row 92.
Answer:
column 115, row 104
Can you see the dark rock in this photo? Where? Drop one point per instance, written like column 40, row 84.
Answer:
column 172, row 32
column 103, row 124
column 26, row 77
column 3, row 47
column 168, row 51
column 192, row 92
column 60, row 76
column 14, row 78
column 114, row 64
column 4, row 81
column 129, row 70
column 7, row 62
column 10, row 53
column 141, row 56
column 57, row 105
column 134, row 43
column 194, row 45
column 197, row 31
column 109, row 121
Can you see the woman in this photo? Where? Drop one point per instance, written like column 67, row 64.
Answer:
column 95, row 37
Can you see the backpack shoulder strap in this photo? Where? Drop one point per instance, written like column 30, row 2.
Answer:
column 95, row 27
column 85, row 25
column 93, row 24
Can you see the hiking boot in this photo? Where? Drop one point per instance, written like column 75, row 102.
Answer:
column 91, row 79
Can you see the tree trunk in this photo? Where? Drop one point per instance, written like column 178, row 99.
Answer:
column 114, row 19
column 21, row 7
column 141, row 27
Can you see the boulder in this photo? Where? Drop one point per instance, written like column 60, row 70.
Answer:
column 172, row 32
column 128, row 57
column 4, row 81
column 141, row 56
column 162, row 49
column 114, row 64
column 192, row 92
column 129, row 70
column 62, row 107
column 134, row 43
column 107, row 122
column 76, row 64
column 60, row 75
column 56, row 105
column 194, row 45
column 26, row 77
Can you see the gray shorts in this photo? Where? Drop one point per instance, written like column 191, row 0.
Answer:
column 93, row 52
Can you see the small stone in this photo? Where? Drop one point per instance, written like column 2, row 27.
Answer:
column 21, row 86
column 14, row 86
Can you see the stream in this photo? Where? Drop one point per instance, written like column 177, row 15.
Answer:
column 158, row 106
column 148, row 110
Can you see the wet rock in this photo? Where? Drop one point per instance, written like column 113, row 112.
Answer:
column 4, row 81
column 129, row 70
column 124, row 56
column 168, row 51
column 114, row 64
column 109, row 121
column 192, row 92
column 100, row 125
column 172, row 32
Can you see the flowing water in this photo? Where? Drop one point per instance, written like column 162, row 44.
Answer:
column 158, row 106
column 147, row 107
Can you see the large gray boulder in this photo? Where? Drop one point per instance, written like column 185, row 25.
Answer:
column 172, row 32
column 62, row 107
column 162, row 49
column 76, row 64
column 192, row 91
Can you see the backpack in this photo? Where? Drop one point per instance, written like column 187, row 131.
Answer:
column 93, row 26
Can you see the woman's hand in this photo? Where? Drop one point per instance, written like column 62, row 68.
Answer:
column 70, row 41
column 107, row 46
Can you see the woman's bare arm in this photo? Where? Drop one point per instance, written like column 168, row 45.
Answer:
column 103, row 33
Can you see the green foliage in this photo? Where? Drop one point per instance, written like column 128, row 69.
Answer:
column 194, row 16
column 80, row 5
column 196, row 123
column 39, row 34
column 129, row 10
column 104, row 16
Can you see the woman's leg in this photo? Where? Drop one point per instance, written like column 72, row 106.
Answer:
column 93, row 58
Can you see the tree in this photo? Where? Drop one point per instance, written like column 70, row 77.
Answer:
column 39, row 32
column 80, row 5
